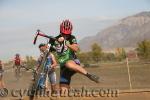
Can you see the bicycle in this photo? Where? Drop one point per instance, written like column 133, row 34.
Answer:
column 40, row 77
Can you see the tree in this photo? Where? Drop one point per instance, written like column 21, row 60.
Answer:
column 85, row 57
column 96, row 52
column 109, row 57
column 30, row 62
column 143, row 49
column 120, row 54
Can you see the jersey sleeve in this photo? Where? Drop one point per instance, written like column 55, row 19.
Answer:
column 73, row 40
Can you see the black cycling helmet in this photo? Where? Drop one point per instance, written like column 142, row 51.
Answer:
column 41, row 45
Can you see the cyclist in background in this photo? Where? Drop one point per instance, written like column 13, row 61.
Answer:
column 17, row 64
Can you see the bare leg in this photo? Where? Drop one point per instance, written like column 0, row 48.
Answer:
column 2, row 85
column 53, row 88
column 72, row 65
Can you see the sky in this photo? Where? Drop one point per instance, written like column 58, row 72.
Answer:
column 19, row 19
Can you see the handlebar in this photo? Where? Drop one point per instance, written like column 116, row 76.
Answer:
column 39, row 33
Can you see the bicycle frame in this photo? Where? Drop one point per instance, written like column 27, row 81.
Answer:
column 36, row 85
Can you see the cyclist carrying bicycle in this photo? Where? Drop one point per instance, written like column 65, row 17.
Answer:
column 66, row 47
column 49, row 66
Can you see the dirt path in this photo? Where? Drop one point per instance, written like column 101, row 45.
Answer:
column 115, row 78
column 124, row 96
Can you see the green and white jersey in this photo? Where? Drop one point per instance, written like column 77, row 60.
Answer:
column 63, row 52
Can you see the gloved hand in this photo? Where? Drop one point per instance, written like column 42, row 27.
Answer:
column 61, row 39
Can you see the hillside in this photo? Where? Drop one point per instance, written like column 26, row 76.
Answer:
column 126, row 33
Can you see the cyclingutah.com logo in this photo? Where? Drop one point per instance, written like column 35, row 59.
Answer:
column 72, row 92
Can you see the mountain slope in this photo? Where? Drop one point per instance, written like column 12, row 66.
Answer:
column 126, row 33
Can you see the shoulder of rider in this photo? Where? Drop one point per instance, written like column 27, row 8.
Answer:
column 51, row 54
column 73, row 39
